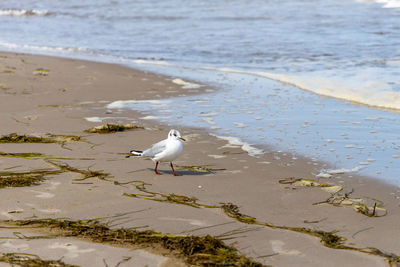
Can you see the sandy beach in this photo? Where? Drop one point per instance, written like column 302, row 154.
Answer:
column 272, row 209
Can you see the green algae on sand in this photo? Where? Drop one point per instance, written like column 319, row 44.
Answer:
column 194, row 250
column 29, row 178
column 16, row 138
column 24, row 259
column 112, row 128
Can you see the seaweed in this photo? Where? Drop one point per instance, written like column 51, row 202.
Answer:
column 20, row 179
column 3, row 87
column 35, row 177
column 196, row 250
column 21, row 155
column 86, row 173
column 310, row 183
column 31, row 260
column 59, row 139
column 170, row 198
column 41, row 72
column 339, row 199
column 36, row 155
column 194, row 168
column 112, row 128
column 357, row 204
column 15, row 138
column 328, row 239
column 65, row 138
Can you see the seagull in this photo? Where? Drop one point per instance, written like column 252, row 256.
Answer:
column 166, row 150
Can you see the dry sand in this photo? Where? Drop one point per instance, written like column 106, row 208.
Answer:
column 46, row 95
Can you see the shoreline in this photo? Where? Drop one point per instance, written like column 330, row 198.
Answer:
column 45, row 95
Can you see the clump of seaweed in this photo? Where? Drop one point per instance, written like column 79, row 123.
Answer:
column 338, row 199
column 311, row 183
column 53, row 138
column 20, row 179
column 171, row 198
column 112, row 128
column 233, row 211
column 357, row 203
column 196, row 250
column 41, row 72
column 24, row 259
column 15, row 138
column 85, row 173
column 194, row 168
column 65, row 138
column 21, row 155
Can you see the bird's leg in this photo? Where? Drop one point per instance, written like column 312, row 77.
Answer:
column 155, row 169
column 175, row 174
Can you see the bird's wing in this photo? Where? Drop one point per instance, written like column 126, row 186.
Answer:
column 155, row 149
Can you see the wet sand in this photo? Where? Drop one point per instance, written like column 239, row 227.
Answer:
column 276, row 223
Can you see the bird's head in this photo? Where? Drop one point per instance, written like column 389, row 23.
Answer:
column 174, row 134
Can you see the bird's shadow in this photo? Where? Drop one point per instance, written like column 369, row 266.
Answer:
column 183, row 172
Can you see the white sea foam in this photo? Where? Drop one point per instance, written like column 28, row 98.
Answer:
column 151, row 62
column 329, row 173
column 185, row 84
column 237, row 142
column 385, row 3
column 94, row 119
column 38, row 48
column 363, row 90
column 120, row 104
column 343, row 170
column 24, row 12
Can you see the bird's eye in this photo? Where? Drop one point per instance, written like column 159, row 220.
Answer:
column 174, row 134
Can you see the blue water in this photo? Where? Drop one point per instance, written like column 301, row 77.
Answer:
column 315, row 78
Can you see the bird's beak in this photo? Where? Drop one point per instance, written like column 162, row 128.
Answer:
column 182, row 139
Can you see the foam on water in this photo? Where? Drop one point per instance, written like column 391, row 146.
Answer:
column 24, row 12
column 385, row 3
column 361, row 88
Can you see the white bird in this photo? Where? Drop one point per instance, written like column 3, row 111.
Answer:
column 164, row 151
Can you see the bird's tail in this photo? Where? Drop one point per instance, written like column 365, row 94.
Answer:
column 136, row 153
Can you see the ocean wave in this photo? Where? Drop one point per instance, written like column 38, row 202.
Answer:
column 24, row 12
column 384, row 3
column 42, row 49
column 367, row 92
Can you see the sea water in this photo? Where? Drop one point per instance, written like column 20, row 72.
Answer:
column 314, row 78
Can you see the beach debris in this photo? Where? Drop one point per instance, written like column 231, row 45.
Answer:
column 65, row 138
column 195, row 250
column 356, row 203
column 311, row 183
column 3, row 87
column 85, row 173
column 9, row 70
column 25, row 259
column 35, row 177
column 20, row 179
column 194, row 168
column 16, row 138
column 112, row 128
column 21, row 155
column 41, row 72
column 339, row 199
column 161, row 197
column 52, row 138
